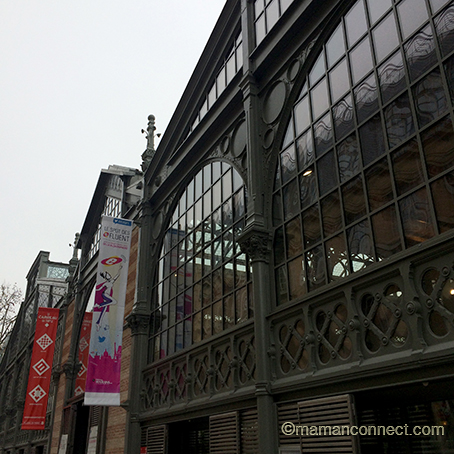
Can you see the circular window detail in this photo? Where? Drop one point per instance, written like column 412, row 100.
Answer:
column 274, row 102
column 447, row 295
column 393, row 293
column 429, row 280
column 438, row 324
column 373, row 342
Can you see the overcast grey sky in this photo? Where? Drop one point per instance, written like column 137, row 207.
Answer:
column 78, row 79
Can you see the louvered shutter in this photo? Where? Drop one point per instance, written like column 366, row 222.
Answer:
column 156, row 439
column 288, row 413
column 95, row 415
column 330, row 411
column 224, row 434
column 249, row 432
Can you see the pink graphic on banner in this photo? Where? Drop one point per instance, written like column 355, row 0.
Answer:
column 104, row 359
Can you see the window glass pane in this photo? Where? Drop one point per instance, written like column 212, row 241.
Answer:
column 407, row 167
column 227, row 185
column 392, row 77
column 336, row 258
column 220, row 81
column 412, row 14
column 385, row 38
column 326, row 171
column 355, row 22
column 371, row 137
column 437, row 4
column 319, row 99
column 360, row 246
column 420, row 52
column 315, row 261
column 305, row 150
column 297, row 278
column 338, row 80
column 416, row 218
column 289, row 134
column 291, row 204
column 377, row 9
column 260, row 31
column 343, row 117
column 386, row 233
column 308, row 187
column 230, row 68
column 449, row 69
column 361, row 60
column 302, row 118
column 229, row 312
column 366, row 98
column 278, row 246
column 430, row 98
column 335, row 46
column 238, row 205
column 438, row 145
column 379, row 185
column 318, row 70
column 281, row 285
column 272, row 14
column 331, row 214
column 399, row 121
column 311, row 226
column 288, row 164
column 190, row 193
column 323, row 135
column 354, row 200
column 348, row 157
column 294, row 239
column 443, row 196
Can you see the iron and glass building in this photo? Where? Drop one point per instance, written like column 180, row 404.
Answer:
column 296, row 247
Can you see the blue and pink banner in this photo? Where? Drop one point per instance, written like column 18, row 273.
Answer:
column 104, row 360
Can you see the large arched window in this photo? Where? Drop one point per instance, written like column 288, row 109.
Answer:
column 366, row 167
column 203, row 285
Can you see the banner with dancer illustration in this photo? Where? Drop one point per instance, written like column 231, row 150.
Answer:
column 103, row 370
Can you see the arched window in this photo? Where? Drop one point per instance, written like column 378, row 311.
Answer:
column 366, row 167
column 203, row 281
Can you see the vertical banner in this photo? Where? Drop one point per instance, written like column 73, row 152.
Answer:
column 84, row 343
column 104, row 360
column 39, row 377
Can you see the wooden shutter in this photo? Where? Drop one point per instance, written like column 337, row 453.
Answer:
column 288, row 413
column 156, row 439
column 224, row 434
column 330, row 411
column 249, row 432
column 95, row 415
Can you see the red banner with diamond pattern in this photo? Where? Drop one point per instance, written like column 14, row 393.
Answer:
column 84, row 343
column 40, row 369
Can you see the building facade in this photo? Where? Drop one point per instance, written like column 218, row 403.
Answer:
column 77, row 428
column 296, row 255
column 46, row 287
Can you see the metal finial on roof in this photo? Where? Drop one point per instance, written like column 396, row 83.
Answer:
column 149, row 153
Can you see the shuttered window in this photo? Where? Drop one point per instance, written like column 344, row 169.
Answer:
column 224, row 431
column 155, row 439
column 330, row 411
column 249, row 432
column 322, row 414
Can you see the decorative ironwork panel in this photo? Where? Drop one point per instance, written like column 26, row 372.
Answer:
column 220, row 368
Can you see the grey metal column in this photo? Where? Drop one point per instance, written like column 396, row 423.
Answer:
column 256, row 241
column 138, row 322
